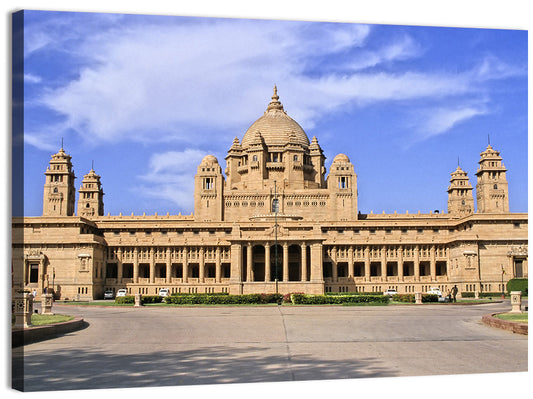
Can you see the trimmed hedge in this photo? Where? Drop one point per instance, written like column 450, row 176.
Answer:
column 130, row 299
column 517, row 284
column 199, row 293
column 208, row 299
column 302, row 299
column 481, row 294
column 410, row 298
column 353, row 293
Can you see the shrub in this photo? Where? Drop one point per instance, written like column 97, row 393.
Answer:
column 517, row 284
column 208, row 299
column 403, row 297
column 287, row 298
column 122, row 300
column 353, row 293
column 302, row 299
column 467, row 294
column 411, row 298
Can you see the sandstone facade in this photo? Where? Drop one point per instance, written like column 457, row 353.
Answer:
column 272, row 222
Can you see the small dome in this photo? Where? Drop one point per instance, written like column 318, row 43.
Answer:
column 275, row 127
column 210, row 159
column 341, row 158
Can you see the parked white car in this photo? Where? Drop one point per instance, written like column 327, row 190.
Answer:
column 164, row 292
column 109, row 294
column 390, row 292
column 122, row 292
column 435, row 291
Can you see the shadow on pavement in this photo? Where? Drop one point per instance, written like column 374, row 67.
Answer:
column 93, row 369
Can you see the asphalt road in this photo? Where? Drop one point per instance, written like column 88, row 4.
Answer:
column 160, row 346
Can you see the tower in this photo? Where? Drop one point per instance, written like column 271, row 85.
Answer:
column 492, row 188
column 460, row 198
column 91, row 201
column 59, row 192
column 209, row 190
column 342, row 185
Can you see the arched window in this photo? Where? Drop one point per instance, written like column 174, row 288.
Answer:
column 495, row 186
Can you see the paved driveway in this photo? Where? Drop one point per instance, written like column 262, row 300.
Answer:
column 156, row 346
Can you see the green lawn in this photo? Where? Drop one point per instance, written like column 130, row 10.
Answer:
column 40, row 319
column 518, row 317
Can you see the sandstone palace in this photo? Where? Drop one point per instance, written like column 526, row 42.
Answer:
column 272, row 220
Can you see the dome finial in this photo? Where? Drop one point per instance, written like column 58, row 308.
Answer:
column 275, row 104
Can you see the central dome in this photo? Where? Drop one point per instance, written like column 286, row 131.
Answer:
column 276, row 127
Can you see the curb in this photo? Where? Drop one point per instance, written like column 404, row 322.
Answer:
column 517, row 328
column 30, row 335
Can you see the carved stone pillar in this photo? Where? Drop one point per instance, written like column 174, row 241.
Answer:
column 417, row 263
column 367, row 263
column 267, row 262
column 152, row 266
column 201, row 265
column 285, row 261
column 334, row 269
column 218, row 268
column 303, row 273
column 136, row 265
column 249, row 254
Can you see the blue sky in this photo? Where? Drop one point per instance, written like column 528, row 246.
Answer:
column 147, row 97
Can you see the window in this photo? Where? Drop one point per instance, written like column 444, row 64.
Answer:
column 343, row 182
column 254, row 158
column 275, row 205
column 495, row 187
column 295, row 158
column 34, row 273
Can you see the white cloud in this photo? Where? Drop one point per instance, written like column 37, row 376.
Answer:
column 170, row 177
column 161, row 82
column 438, row 121
column 30, row 78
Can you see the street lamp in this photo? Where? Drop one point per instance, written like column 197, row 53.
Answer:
column 503, row 291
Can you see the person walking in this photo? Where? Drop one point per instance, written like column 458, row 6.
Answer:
column 454, row 292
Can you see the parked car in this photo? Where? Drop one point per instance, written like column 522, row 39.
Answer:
column 435, row 291
column 164, row 292
column 390, row 292
column 122, row 292
column 109, row 294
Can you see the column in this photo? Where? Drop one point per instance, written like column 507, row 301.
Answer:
column 384, row 263
column 350, row 262
column 152, row 266
column 218, row 269
column 249, row 262
column 136, row 265
column 417, row 263
column 267, row 261
column 303, row 274
column 236, row 263
column 201, row 265
column 433, row 263
column 400, row 263
column 317, row 273
column 169, row 266
column 185, row 265
column 285, row 261
column 333, row 257
column 119, row 266
column 367, row 263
